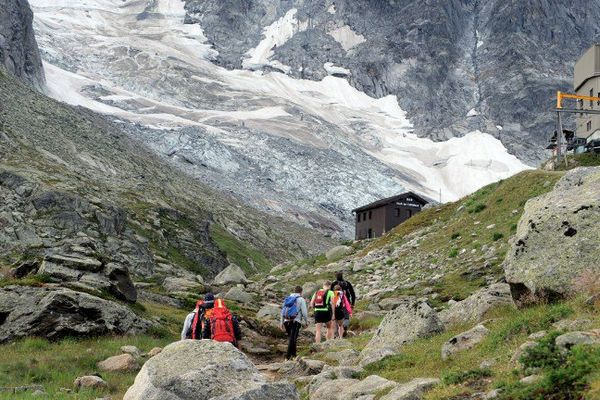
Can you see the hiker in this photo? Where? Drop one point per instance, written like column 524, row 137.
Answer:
column 341, row 309
column 190, row 320
column 321, row 302
column 293, row 314
column 350, row 295
column 221, row 326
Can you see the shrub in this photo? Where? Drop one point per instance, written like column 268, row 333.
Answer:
column 453, row 253
column 497, row 236
column 454, row 378
column 479, row 207
column 564, row 377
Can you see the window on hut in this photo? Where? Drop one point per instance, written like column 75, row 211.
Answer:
column 370, row 214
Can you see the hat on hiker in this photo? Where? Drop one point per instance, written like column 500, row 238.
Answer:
column 209, row 299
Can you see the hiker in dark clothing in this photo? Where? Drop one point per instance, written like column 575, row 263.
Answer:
column 293, row 314
column 221, row 326
column 350, row 295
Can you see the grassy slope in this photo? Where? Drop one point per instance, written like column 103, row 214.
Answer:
column 55, row 365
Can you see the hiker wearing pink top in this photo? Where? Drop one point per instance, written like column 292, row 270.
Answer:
column 342, row 309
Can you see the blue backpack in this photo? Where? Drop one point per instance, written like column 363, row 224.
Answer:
column 290, row 307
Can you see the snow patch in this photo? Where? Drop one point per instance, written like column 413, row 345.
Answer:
column 335, row 70
column 472, row 113
column 346, row 37
column 331, row 9
column 499, row 127
column 275, row 35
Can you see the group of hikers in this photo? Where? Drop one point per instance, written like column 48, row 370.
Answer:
column 211, row 319
column 332, row 305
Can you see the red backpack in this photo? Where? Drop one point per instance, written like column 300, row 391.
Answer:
column 221, row 324
column 320, row 298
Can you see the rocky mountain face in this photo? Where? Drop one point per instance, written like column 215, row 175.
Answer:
column 87, row 208
column 19, row 53
column 236, row 112
column 455, row 66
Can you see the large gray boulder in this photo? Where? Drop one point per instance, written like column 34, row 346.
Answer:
column 474, row 307
column 409, row 321
column 203, row 369
column 337, row 252
column 341, row 389
column 413, row 390
column 464, row 341
column 55, row 313
column 233, row 274
column 557, row 238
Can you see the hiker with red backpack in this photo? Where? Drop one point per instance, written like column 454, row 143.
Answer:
column 220, row 325
column 293, row 314
column 321, row 303
column 341, row 309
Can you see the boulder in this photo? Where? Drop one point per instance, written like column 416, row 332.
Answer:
column 342, row 389
column 122, row 362
column 391, row 303
column 474, row 307
column 409, row 321
column 55, row 313
column 174, row 284
column 269, row 311
column 337, row 252
column 203, row 369
column 464, row 341
column 154, row 351
column 568, row 340
column 134, row 351
column 557, row 238
column 343, row 357
column 233, row 274
column 572, row 325
column 239, row 295
column 90, row 382
column 413, row 390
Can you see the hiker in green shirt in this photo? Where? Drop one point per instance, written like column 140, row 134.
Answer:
column 321, row 302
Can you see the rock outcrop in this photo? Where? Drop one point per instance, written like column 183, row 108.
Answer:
column 192, row 369
column 55, row 313
column 412, row 320
column 474, row 307
column 464, row 341
column 233, row 274
column 19, row 53
column 557, row 238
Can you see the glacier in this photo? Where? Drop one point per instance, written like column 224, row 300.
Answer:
column 306, row 150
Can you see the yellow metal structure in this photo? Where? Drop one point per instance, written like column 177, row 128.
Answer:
column 560, row 96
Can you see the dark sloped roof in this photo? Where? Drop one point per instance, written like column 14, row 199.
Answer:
column 382, row 202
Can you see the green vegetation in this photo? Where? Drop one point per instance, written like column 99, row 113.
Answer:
column 509, row 328
column 31, row 280
column 248, row 258
column 497, row 236
column 55, row 365
column 580, row 160
column 564, row 376
column 456, row 377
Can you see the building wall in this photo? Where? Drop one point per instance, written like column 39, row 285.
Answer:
column 371, row 219
column 588, row 66
column 588, row 124
column 397, row 213
column 384, row 218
